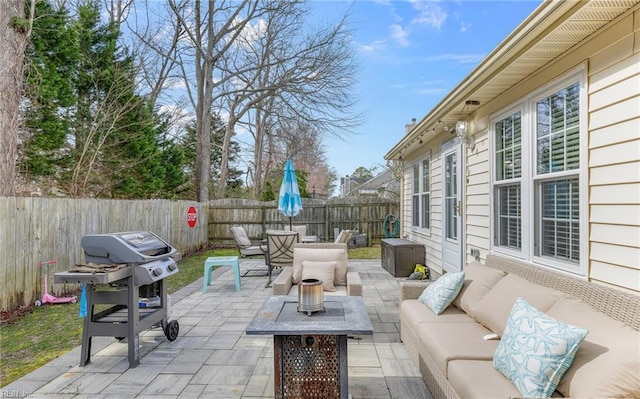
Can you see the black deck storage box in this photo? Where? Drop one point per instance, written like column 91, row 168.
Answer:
column 399, row 256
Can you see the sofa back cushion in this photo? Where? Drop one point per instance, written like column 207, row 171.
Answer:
column 607, row 364
column 339, row 255
column 478, row 280
column 323, row 271
column 492, row 311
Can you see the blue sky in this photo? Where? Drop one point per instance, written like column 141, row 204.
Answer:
column 412, row 53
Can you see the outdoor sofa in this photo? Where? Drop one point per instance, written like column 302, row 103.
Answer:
column 456, row 361
column 325, row 258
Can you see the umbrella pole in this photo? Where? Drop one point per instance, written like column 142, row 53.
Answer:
column 290, row 226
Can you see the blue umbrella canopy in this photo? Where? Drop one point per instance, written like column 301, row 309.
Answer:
column 289, row 201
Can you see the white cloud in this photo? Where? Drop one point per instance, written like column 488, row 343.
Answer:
column 464, row 26
column 374, row 46
column 399, row 35
column 429, row 14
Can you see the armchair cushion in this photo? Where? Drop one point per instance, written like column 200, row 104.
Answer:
column 323, row 271
column 338, row 255
column 241, row 236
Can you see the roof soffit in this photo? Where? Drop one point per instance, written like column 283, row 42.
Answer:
column 551, row 30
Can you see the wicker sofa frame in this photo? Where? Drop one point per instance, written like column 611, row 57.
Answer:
column 617, row 304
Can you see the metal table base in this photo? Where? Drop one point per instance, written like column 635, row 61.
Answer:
column 310, row 366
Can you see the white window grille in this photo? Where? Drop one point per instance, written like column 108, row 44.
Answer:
column 536, row 194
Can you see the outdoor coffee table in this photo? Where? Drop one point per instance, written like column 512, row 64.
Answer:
column 310, row 352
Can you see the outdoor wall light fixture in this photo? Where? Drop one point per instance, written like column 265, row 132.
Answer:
column 461, row 129
column 462, row 132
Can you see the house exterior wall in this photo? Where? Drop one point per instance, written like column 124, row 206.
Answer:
column 611, row 61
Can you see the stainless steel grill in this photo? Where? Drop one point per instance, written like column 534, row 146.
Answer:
column 127, row 272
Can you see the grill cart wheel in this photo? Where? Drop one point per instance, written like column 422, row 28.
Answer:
column 171, row 330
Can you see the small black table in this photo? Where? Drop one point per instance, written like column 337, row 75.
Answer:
column 310, row 352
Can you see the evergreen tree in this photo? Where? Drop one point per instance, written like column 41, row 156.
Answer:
column 50, row 66
column 88, row 128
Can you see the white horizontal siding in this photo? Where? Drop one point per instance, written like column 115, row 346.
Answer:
column 615, row 154
column 615, row 234
column 615, row 174
column 616, row 254
column 615, row 73
column 616, row 276
column 615, row 194
column 614, row 161
column 624, row 90
column 618, row 133
column 617, row 112
column 615, row 214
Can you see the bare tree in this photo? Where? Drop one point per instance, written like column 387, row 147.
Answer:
column 296, row 78
column 14, row 34
column 211, row 31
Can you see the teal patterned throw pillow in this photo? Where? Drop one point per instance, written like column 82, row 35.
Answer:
column 536, row 350
column 439, row 294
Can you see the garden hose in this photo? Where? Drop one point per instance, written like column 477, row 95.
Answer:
column 387, row 231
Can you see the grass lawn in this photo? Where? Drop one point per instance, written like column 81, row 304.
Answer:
column 41, row 334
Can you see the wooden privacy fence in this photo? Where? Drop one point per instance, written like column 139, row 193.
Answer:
column 367, row 215
column 33, row 230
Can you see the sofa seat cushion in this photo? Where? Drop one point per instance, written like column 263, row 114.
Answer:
column 494, row 307
column 416, row 313
column 607, row 364
column 478, row 280
column 478, row 379
column 446, row 341
column 321, row 255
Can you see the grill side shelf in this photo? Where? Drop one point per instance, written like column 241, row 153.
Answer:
column 91, row 278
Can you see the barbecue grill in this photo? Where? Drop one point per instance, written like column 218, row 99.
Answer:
column 123, row 271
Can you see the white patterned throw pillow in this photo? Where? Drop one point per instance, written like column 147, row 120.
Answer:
column 439, row 294
column 536, row 350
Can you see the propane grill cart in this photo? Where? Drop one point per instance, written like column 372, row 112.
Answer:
column 123, row 270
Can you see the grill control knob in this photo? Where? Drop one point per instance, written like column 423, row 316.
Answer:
column 172, row 267
column 157, row 271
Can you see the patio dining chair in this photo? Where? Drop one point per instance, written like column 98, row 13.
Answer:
column 279, row 250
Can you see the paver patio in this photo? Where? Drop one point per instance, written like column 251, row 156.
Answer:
column 213, row 358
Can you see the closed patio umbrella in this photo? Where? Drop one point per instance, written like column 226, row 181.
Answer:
column 289, row 201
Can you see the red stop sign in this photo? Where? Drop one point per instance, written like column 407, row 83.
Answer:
column 192, row 216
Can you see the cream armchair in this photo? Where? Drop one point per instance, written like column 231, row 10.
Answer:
column 347, row 282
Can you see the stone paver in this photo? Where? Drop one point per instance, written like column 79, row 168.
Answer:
column 213, row 358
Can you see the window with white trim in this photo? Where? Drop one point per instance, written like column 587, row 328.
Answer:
column 421, row 200
column 416, row 196
column 425, row 203
column 538, row 192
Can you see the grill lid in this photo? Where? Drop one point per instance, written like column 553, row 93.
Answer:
column 125, row 247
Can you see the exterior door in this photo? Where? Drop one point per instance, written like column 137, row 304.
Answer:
column 452, row 226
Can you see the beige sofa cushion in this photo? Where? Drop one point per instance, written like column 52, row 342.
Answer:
column 494, row 307
column 321, row 254
column 478, row 379
column 323, row 271
column 478, row 280
column 607, row 364
column 416, row 313
column 446, row 341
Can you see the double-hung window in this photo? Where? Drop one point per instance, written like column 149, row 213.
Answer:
column 536, row 178
column 508, row 180
column 421, row 200
column 557, row 194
